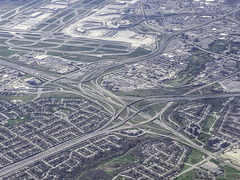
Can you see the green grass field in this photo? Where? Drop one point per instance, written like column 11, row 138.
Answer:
column 218, row 46
column 12, row 122
column 4, row 22
column 203, row 137
column 92, row 44
column 138, row 52
column 2, row 41
column 49, row 28
column 74, row 57
column 209, row 122
column 229, row 173
column 125, row 158
column 60, row 95
column 217, row 104
column 190, row 175
column 74, row 48
column 8, row 14
column 110, row 51
column 195, row 156
column 196, row 65
column 17, row 42
column 97, row 2
column 5, row 52
column 40, row 26
column 64, row 13
column 53, row 40
column 29, row 5
column 76, row 42
column 185, row 167
column 24, row 98
column 237, row 15
column 51, row 20
column 115, row 46
column 68, row 17
column 42, row 45
column 34, row 35
column 6, row 35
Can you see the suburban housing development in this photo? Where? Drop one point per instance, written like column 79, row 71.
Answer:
column 119, row 89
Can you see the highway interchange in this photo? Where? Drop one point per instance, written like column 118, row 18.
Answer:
column 90, row 88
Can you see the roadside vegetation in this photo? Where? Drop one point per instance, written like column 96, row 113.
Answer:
column 196, row 65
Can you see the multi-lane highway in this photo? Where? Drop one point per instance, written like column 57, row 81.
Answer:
column 101, row 96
